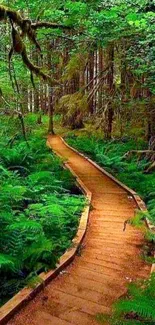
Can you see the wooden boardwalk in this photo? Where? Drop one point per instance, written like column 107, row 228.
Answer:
column 108, row 260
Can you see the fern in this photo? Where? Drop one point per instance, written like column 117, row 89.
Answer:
column 141, row 306
column 40, row 251
column 10, row 195
column 137, row 308
column 25, row 225
column 150, row 235
column 138, row 219
column 6, row 263
column 39, row 214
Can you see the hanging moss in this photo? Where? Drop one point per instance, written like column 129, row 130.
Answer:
column 74, row 107
column 18, row 46
column 75, row 66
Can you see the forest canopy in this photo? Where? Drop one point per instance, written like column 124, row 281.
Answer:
column 95, row 58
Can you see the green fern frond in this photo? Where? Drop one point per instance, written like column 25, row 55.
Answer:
column 25, row 226
column 6, row 263
column 142, row 307
column 150, row 235
column 138, row 219
column 41, row 250
column 138, row 308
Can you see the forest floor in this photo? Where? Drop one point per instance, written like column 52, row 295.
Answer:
column 109, row 257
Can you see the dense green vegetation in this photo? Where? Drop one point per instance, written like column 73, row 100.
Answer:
column 95, row 57
column 39, row 208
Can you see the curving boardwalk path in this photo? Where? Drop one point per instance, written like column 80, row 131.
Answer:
column 109, row 259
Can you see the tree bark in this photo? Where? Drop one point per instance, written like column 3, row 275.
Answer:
column 50, row 112
column 151, row 117
column 100, row 69
column 91, row 76
column 110, row 84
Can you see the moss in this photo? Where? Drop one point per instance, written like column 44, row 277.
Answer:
column 74, row 105
column 18, row 45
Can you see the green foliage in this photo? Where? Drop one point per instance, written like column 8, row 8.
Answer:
column 39, row 214
column 75, row 66
column 6, row 263
column 137, row 308
column 138, row 219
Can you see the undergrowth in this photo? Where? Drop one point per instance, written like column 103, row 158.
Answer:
column 39, row 205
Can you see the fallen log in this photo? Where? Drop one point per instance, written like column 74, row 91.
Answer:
column 141, row 154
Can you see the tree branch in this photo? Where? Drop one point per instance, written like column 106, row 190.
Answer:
column 45, row 24
column 27, row 29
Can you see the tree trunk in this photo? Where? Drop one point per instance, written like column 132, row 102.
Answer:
column 100, row 69
column 50, row 112
column 50, row 92
column 36, row 101
column 36, row 93
column 91, row 76
column 151, row 119
column 110, row 82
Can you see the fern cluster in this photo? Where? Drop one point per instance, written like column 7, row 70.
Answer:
column 39, row 213
column 137, row 308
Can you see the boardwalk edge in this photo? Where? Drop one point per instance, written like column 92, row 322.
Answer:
column 140, row 203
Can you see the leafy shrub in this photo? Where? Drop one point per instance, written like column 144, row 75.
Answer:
column 39, row 214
